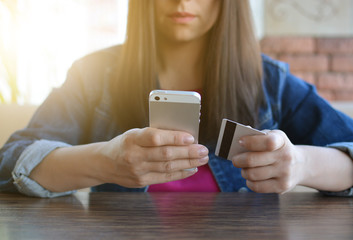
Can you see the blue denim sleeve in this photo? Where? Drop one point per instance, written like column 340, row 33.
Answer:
column 315, row 122
column 62, row 118
column 306, row 118
column 78, row 112
column 28, row 160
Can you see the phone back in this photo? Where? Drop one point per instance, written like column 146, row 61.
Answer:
column 175, row 110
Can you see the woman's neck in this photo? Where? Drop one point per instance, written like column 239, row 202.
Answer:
column 181, row 65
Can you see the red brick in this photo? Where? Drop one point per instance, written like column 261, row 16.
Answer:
column 328, row 95
column 335, row 45
column 306, row 63
column 330, row 81
column 343, row 95
column 288, row 45
column 306, row 76
column 335, row 81
column 342, row 63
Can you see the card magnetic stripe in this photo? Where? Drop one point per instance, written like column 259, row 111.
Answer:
column 227, row 139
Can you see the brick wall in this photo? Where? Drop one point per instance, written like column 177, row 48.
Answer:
column 325, row 62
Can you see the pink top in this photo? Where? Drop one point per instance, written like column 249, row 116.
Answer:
column 202, row 181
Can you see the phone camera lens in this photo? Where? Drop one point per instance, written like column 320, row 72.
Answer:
column 157, row 98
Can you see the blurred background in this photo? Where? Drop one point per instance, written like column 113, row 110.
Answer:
column 40, row 39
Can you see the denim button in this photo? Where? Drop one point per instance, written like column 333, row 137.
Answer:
column 243, row 189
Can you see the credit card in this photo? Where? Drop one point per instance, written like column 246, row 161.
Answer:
column 228, row 139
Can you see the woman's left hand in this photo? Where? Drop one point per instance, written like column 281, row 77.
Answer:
column 272, row 164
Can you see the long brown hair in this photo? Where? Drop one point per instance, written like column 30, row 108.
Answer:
column 232, row 86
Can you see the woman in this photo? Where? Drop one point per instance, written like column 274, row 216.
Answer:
column 93, row 130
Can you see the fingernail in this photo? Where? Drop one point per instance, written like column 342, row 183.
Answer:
column 191, row 171
column 188, row 140
column 203, row 151
column 234, row 160
column 241, row 142
column 203, row 160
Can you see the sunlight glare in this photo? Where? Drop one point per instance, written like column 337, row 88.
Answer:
column 53, row 33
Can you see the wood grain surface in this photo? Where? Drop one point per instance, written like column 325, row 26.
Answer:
column 177, row 216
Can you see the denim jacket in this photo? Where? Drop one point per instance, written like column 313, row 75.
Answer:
column 80, row 112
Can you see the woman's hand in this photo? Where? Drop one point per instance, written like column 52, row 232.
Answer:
column 273, row 163
column 141, row 157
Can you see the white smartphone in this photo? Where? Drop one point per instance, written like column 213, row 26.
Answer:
column 175, row 110
column 228, row 139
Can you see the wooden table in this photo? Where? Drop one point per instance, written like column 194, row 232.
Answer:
column 177, row 216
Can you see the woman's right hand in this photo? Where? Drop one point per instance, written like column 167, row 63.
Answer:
column 142, row 157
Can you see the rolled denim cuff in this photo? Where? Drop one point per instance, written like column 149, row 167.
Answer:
column 29, row 159
column 346, row 147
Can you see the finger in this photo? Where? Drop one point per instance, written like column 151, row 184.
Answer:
column 272, row 141
column 259, row 173
column 156, row 178
column 169, row 153
column 176, row 165
column 153, row 137
column 272, row 185
column 253, row 159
